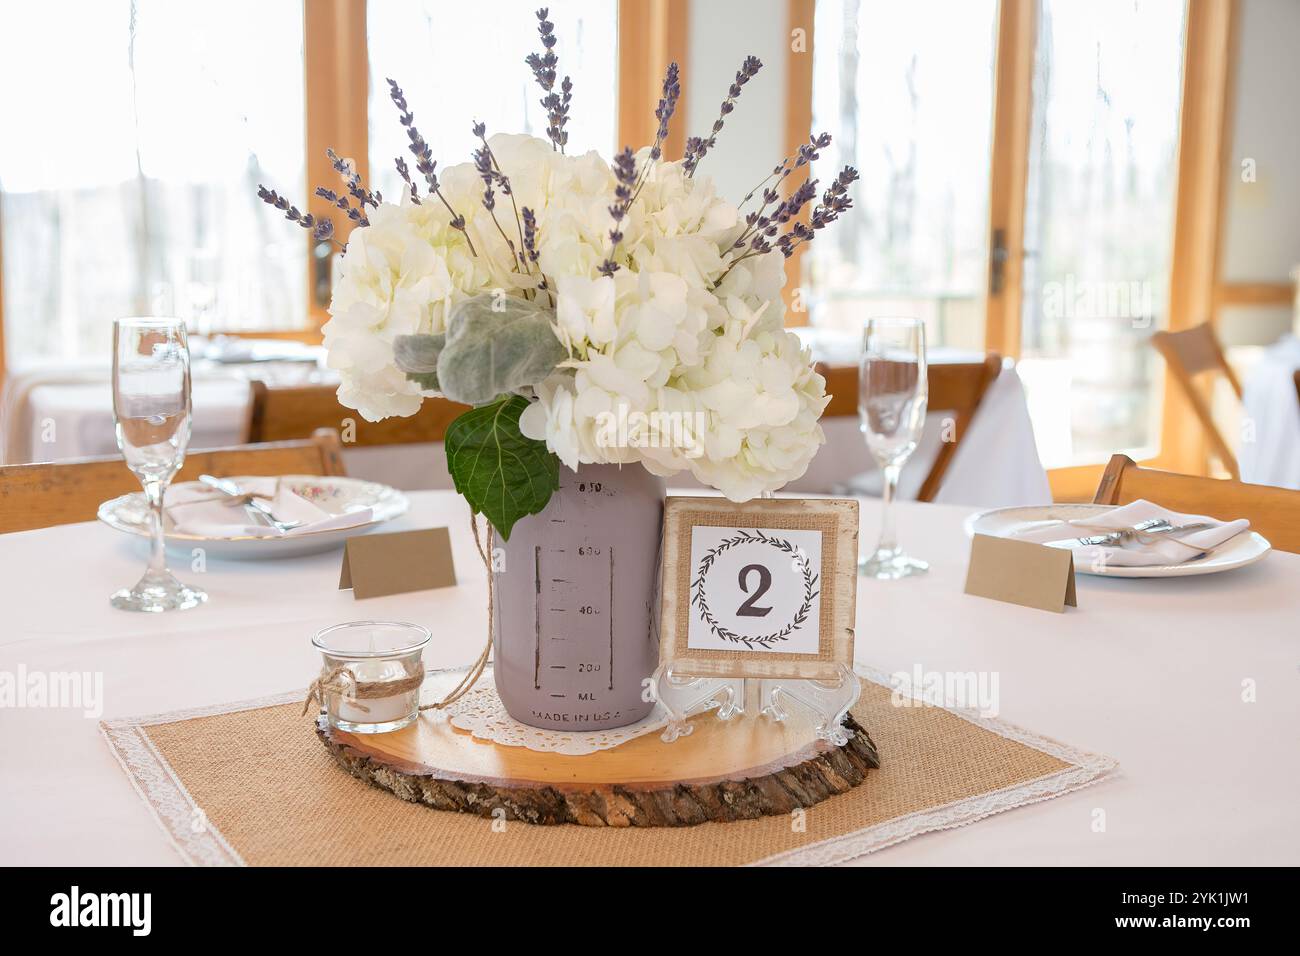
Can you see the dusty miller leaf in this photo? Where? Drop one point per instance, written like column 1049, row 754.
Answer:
column 496, row 345
column 417, row 356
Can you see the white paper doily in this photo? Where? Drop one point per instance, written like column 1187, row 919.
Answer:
column 482, row 714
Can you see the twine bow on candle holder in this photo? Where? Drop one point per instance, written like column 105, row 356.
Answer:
column 340, row 680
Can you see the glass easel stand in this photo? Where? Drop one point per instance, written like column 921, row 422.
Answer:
column 685, row 695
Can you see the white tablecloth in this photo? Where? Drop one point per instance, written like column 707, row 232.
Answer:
column 1150, row 672
column 1270, row 442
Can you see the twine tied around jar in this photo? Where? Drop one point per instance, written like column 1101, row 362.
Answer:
column 340, row 680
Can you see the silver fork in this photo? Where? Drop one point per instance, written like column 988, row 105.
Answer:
column 228, row 487
column 1123, row 534
column 1150, row 527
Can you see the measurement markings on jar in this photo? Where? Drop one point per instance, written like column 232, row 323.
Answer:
column 572, row 618
column 537, row 616
column 611, row 615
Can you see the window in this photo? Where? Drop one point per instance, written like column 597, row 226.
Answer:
column 907, row 92
column 129, row 169
column 911, row 91
column 458, row 63
column 1099, row 224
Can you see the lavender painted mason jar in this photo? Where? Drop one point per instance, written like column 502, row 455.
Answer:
column 575, row 620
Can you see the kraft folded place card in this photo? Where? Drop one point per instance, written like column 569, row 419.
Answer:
column 375, row 565
column 1021, row 572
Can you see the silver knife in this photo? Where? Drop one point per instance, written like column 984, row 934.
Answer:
column 1123, row 534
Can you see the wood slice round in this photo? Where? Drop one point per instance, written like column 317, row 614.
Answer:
column 737, row 769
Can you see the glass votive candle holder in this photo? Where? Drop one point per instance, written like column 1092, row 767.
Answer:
column 371, row 676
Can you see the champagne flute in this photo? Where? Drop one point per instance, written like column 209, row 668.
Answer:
column 892, row 395
column 151, row 412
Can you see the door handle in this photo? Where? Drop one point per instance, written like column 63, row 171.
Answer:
column 322, row 273
column 998, row 256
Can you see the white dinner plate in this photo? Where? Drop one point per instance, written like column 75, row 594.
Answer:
column 332, row 494
column 1237, row 552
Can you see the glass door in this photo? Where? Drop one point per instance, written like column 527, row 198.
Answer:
column 1098, row 224
column 907, row 91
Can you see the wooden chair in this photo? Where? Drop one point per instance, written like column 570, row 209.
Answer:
column 958, row 388
column 41, row 495
column 282, row 414
column 1188, row 354
column 1273, row 512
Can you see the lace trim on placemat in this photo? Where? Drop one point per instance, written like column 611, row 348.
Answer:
column 199, row 842
column 171, row 805
column 1087, row 768
column 181, row 819
column 482, row 713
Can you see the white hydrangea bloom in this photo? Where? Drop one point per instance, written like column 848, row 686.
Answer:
column 675, row 344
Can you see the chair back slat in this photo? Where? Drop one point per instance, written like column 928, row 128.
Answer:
column 43, row 494
column 953, row 387
column 1273, row 512
column 284, row 414
column 1190, row 353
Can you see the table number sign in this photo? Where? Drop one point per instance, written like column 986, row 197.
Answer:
column 766, row 589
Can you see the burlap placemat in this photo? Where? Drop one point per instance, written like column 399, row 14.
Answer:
column 249, row 783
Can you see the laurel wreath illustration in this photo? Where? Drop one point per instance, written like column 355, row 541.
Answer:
column 756, row 536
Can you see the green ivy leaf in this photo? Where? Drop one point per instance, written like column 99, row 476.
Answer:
column 503, row 475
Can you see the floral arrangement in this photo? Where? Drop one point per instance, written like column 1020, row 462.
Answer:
column 589, row 312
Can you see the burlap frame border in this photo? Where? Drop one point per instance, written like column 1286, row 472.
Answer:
column 200, row 844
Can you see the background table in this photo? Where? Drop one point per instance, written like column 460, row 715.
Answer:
column 1147, row 671
column 58, row 414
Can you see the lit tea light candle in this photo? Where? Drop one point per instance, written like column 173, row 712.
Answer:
column 371, row 675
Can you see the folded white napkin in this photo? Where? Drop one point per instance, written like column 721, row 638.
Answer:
column 197, row 510
column 1150, row 550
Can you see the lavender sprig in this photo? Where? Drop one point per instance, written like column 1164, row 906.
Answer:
column 625, row 174
column 485, row 161
column 530, row 253
column 341, row 202
column 322, row 229
column 544, row 70
column 352, row 179
column 835, row 201
column 804, row 155
column 762, row 228
column 696, row 147
column 672, row 91
column 530, row 236
column 760, row 221
column 404, row 171
column 424, row 161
